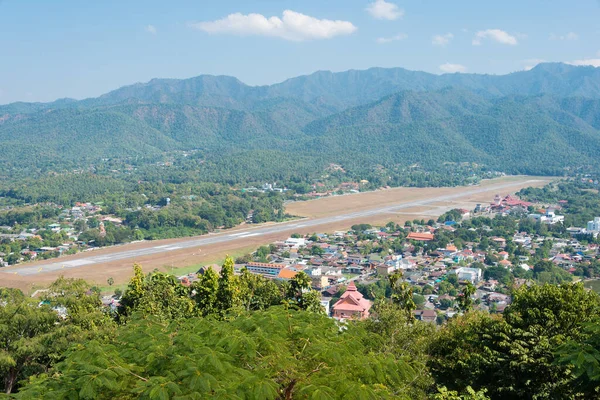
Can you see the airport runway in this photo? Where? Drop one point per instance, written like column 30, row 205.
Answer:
column 238, row 235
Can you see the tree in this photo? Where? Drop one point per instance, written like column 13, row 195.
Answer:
column 26, row 337
column 158, row 294
column 465, row 302
column 301, row 295
column 228, row 292
column 110, row 281
column 419, row 300
column 453, row 279
column 205, row 289
column 258, row 292
column 316, row 250
column 469, row 394
column 402, row 294
column 583, row 356
column 446, row 303
column 273, row 354
column 513, row 357
column 82, row 306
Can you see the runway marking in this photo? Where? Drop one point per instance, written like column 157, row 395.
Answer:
column 250, row 235
column 76, row 263
column 238, row 234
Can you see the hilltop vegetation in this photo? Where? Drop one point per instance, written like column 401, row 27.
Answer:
column 247, row 337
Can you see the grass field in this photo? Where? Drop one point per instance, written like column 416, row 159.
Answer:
column 593, row 284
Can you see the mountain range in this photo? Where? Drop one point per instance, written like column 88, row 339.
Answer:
column 537, row 121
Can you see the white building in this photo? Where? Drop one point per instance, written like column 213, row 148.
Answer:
column 295, row 243
column 472, row 275
column 594, row 226
column 549, row 217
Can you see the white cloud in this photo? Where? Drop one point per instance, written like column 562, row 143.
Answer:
column 568, row 36
column 400, row 36
column 497, row 35
column 451, row 68
column 531, row 63
column 381, row 9
column 292, row 26
column 594, row 62
column 442, row 40
column 151, row 29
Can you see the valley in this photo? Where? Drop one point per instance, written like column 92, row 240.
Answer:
column 339, row 212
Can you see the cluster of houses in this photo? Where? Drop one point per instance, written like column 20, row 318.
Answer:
column 65, row 224
column 338, row 262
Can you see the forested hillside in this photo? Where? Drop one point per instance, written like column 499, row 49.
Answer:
column 537, row 122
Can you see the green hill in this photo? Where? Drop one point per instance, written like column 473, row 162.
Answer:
column 537, row 121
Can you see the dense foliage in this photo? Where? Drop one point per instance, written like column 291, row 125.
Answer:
column 188, row 344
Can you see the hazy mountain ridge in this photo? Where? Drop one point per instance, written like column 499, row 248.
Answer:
column 530, row 121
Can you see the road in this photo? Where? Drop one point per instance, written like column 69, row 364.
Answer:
column 241, row 234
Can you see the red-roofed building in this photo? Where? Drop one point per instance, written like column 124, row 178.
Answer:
column 423, row 237
column 287, row 274
column 351, row 305
column 509, row 201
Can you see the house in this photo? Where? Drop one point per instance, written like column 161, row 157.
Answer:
column 425, row 315
column 319, row 282
column 351, row 305
column 386, row 269
column 355, row 269
column 354, row 259
column 505, row 263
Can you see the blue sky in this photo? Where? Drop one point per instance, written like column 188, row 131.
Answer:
column 79, row 49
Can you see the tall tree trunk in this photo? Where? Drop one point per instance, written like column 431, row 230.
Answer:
column 9, row 380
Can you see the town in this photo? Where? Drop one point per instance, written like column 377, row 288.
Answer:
column 495, row 247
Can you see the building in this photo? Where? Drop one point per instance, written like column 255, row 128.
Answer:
column 425, row 315
column 549, row 217
column 422, row 237
column 295, row 243
column 325, row 304
column 594, row 226
column 472, row 275
column 355, row 259
column 286, row 274
column 265, row 269
column 351, row 305
column 386, row 269
column 319, row 282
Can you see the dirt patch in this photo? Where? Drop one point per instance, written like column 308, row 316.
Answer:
column 335, row 205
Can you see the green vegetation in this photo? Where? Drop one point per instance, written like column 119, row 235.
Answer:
column 242, row 336
column 385, row 126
